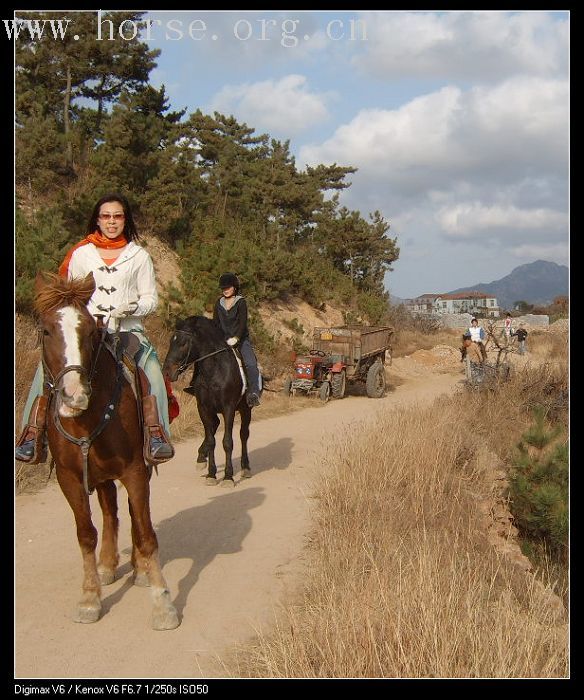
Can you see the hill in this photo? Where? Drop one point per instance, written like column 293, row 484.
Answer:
column 536, row 283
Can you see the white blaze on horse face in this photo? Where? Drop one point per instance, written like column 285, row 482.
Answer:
column 75, row 391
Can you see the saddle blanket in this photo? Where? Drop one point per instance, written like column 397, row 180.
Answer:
column 243, row 377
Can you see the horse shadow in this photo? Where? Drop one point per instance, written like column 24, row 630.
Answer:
column 198, row 534
column 276, row 455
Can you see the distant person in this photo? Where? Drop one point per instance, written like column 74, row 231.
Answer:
column 478, row 338
column 508, row 327
column 231, row 314
column 521, row 335
column 466, row 342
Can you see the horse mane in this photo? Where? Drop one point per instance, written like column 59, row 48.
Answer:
column 59, row 292
column 201, row 324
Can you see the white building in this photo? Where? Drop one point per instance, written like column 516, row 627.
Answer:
column 467, row 302
column 423, row 304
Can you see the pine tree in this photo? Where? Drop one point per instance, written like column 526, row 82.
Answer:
column 136, row 135
column 39, row 245
column 538, row 485
column 51, row 75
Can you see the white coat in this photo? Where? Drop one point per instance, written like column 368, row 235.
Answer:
column 129, row 279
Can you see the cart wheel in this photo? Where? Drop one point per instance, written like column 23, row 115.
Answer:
column 339, row 384
column 325, row 391
column 287, row 389
column 375, row 383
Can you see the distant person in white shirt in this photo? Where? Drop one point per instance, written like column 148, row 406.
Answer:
column 478, row 337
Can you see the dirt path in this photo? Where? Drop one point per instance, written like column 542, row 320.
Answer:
column 228, row 554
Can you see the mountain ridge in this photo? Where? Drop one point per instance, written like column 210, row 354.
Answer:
column 535, row 283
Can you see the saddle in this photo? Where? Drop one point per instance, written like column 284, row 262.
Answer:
column 242, row 370
column 126, row 348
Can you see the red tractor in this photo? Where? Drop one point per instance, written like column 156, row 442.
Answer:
column 319, row 373
column 348, row 353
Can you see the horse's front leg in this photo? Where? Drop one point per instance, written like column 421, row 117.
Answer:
column 147, row 569
column 108, row 557
column 210, row 423
column 245, row 413
column 228, row 418
column 203, row 452
column 89, row 607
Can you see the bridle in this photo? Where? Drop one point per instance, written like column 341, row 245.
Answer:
column 52, row 383
column 186, row 362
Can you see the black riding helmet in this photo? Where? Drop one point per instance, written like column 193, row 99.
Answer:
column 229, row 280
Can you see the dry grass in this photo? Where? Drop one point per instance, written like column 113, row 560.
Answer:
column 543, row 344
column 407, row 341
column 401, row 581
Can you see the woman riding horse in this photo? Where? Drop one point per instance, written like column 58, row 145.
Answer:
column 95, row 437
column 125, row 293
column 217, row 385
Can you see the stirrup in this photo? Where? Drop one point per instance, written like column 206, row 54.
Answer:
column 159, row 449
column 32, row 451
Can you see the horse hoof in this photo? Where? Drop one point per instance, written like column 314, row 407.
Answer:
column 165, row 619
column 86, row 614
column 246, row 473
column 141, row 580
column 227, row 483
column 210, row 480
column 201, row 459
column 106, row 576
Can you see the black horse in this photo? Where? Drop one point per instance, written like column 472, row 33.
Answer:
column 217, row 385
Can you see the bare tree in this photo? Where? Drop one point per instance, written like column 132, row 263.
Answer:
column 503, row 344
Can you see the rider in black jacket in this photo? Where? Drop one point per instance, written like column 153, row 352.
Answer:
column 230, row 313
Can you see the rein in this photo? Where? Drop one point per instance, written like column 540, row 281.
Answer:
column 85, row 442
column 186, row 362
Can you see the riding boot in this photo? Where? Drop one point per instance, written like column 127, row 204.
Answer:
column 32, row 443
column 253, row 391
column 157, row 447
column 252, row 374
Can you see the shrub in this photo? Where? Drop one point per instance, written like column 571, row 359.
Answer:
column 538, row 486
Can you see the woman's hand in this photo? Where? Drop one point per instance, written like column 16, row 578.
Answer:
column 124, row 310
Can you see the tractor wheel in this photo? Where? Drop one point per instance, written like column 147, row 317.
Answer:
column 339, row 384
column 325, row 391
column 375, row 383
column 287, row 389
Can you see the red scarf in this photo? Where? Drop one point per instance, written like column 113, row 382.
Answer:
column 98, row 240
column 173, row 406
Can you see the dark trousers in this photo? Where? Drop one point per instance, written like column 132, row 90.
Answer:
column 251, row 367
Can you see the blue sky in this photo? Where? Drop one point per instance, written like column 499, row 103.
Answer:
column 457, row 121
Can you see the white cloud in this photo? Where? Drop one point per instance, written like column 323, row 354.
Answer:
column 466, row 219
column 474, row 175
column 556, row 252
column 493, row 134
column 463, row 45
column 281, row 106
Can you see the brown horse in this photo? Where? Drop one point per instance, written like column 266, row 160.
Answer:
column 95, row 436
